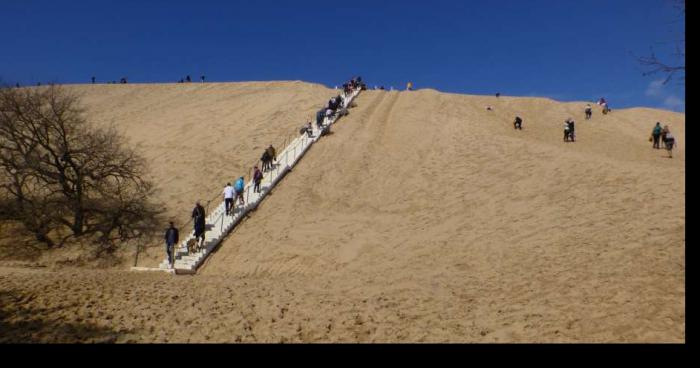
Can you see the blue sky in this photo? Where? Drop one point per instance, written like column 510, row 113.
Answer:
column 566, row 50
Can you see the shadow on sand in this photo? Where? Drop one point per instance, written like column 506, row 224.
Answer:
column 19, row 324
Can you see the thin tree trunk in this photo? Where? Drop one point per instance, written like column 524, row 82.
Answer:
column 78, row 220
column 78, row 211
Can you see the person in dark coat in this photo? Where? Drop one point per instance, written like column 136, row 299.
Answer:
column 172, row 236
column 266, row 161
column 656, row 135
column 518, row 123
column 320, row 115
column 199, row 220
column 572, row 130
column 272, row 152
column 257, row 179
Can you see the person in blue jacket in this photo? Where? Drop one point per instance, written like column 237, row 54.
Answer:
column 239, row 186
column 656, row 134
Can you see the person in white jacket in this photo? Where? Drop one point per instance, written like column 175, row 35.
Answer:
column 228, row 198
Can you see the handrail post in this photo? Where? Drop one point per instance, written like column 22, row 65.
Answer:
column 277, row 171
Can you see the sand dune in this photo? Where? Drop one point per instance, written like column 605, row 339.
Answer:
column 423, row 217
column 198, row 136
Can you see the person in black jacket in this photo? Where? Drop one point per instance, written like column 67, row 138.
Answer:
column 171, row 238
column 199, row 217
column 518, row 123
column 266, row 161
column 273, row 156
column 572, row 130
column 320, row 115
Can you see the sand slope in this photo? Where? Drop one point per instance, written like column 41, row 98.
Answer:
column 423, row 217
column 198, row 136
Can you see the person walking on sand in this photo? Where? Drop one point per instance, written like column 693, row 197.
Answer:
column 656, row 135
column 239, row 187
column 518, row 123
column 199, row 220
column 257, row 179
column 664, row 132
column 569, row 130
column 572, row 130
column 589, row 111
column 228, row 198
column 669, row 142
column 409, row 86
column 171, row 238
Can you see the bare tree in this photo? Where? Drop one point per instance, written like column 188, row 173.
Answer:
column 60, row 171
column 654, row 65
